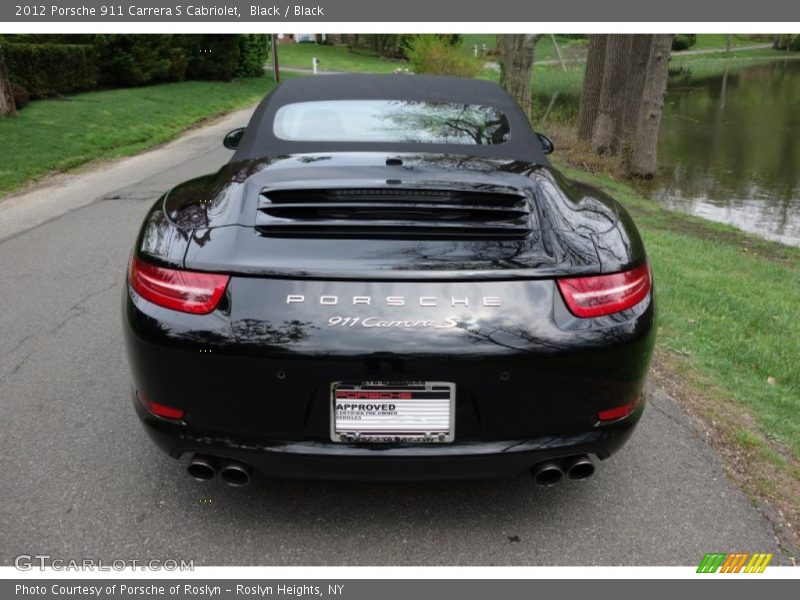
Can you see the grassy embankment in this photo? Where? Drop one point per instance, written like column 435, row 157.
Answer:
column 63, row 133
column 729, row 306
column 728, row 339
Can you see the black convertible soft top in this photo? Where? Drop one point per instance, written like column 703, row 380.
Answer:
column 259, row 140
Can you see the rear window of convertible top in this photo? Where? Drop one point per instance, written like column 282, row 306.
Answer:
column 402, row 121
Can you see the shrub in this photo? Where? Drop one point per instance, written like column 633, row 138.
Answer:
column 405, row 43
column 392, row 45
column 130, row 60
column 21, row 95
column 212, row 56
column 684, row 41
column 51, row 69
column 253, row 54
column 435, row 55
column 47, row 68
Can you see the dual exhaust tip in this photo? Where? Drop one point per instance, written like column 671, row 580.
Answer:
column 237, row 474
column 551, row 472
column 232, row 472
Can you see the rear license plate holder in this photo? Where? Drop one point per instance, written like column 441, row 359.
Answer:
column 392, row 412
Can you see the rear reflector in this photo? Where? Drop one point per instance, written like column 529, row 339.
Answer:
column 161, row 410
column 618, row 412
column 185, row 291
column 606, row 294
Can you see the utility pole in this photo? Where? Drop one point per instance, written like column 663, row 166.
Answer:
column 276, row 74
column 558, row 52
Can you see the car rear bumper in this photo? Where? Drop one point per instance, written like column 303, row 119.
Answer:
column 338, row 461
column 254, row 377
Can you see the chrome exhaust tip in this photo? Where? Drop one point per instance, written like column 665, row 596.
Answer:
column 235, row 473
column 581, row 467
column 547, row 474
column 202, row 468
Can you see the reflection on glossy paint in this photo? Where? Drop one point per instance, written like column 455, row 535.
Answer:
column 574, row 226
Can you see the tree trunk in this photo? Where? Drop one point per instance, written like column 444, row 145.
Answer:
column 395, row 41
column 606, row 133
column 643, row 153
column 516, row 63
column 7, row 106
column 641, row 51
column 592, row 82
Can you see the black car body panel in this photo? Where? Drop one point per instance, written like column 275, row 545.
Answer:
column 576, row 229
column 480, row 305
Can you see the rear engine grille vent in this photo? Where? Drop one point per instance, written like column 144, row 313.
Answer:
column 389, row 213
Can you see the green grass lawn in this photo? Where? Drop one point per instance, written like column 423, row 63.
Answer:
column 715, row 63
column 707, row 41
column 729, row 303
column 63, row 133
column 334, row 58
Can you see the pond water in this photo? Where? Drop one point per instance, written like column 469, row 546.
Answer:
column 729, row 149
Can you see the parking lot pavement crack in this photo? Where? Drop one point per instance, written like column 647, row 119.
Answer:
column 17, row 367
column 17, row 346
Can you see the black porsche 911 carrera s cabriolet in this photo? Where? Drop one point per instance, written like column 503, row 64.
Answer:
column 388, row 280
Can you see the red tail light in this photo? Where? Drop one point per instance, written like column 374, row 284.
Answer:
column 186, row 291
column 161, row 410
column 612, row 414
column 606, row 294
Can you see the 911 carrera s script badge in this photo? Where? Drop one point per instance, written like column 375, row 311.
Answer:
column 391, row 412
column 380, row 323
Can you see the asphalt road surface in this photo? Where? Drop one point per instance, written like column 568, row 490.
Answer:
column 81, row 479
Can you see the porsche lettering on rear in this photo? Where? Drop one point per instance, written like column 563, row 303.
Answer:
column 329, row 300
